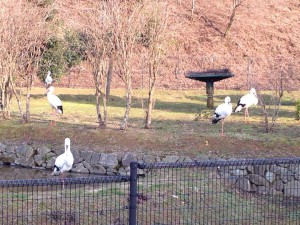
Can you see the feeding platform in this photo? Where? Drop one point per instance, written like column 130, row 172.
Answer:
column 209, row 77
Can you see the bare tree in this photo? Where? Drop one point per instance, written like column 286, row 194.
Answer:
column 94, row 20
column 112, row 28
column 22, row 35
column 98, row 45
column 8, row 56
column 281, row 76
column 155, row 39
column 30, row 68
column 235, row 5
column 128, row 16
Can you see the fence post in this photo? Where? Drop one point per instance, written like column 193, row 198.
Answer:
column 133, row 193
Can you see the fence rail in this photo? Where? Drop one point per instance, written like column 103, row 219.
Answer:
column 258, row 191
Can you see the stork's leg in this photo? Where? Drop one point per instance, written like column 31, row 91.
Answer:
column 222, row 130
column 247, row 114
column 54, row 121
column 57, row 117
column 51, row 120
column 54, row 117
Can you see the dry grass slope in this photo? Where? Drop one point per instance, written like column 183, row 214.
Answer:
column 263, row 34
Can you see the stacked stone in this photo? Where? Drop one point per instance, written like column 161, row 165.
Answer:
column 260, row 179
column 264, row 179
column 29, row 156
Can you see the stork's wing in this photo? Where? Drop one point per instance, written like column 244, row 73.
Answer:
column 54, row 101
column 223, row 110
column 60, row 161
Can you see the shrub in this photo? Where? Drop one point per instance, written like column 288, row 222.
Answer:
column 75, row 48
column 61, row 54
column 53, row 59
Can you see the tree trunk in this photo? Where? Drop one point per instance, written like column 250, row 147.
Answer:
column 105, row 97
column 97, row 81
column 236, row 3
column 7, row 101
column 19, row 101
column 150, row 102
column 105, row 113
column 128, row 107
column 267, row 127
column 6, row 96
column 153, row 73
column 149, row 109
column 27, row 113
column 230, row 22
column 28, row 95
column 98, row 108
column 109, row 77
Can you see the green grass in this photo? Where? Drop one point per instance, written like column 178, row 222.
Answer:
column 176, row 125
column 111, row 192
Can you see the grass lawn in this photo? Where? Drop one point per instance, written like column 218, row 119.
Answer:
column 175, row 129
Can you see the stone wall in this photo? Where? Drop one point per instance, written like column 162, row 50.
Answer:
column 42, row 157
column 264, row 179
column 261, row 179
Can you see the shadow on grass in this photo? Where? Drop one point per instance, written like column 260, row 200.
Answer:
column 116, row 101
column 176, row 107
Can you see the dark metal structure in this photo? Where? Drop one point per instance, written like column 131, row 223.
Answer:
column 90, row 200
column 258, row 191
column 209, row 77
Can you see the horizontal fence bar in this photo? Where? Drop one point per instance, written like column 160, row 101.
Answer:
column 66, row 181
column 216, row 163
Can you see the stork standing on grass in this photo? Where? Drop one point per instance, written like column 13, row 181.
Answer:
column 246, row 101
column 64, row 162
column 222, row 111
column 48, row 80
column 54, row 102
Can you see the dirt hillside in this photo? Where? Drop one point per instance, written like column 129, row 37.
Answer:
column 264, row 37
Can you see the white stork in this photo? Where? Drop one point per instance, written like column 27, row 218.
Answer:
column 48, row 79
column 54, row 102
column 64, row 162
column 246, row 101
column 222, row 111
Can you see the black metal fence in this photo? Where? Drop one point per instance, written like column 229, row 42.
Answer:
column 264, row 191
column 91, row 200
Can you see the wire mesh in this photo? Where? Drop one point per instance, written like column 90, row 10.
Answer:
column 92, row 200
column 265, row 191
column 220, row 192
